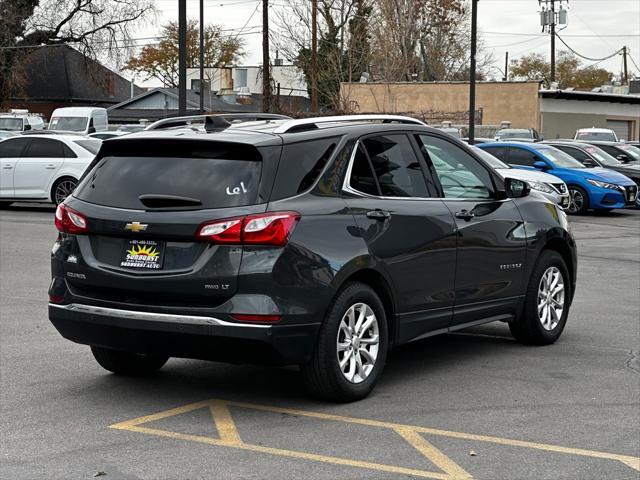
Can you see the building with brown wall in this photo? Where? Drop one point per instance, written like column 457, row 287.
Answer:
column 517, row 102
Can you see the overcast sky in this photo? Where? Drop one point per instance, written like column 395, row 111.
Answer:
column 596, row 28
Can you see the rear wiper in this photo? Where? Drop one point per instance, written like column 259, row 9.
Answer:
column 153, row 200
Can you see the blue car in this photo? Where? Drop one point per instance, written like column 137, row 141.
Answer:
column 590, row 188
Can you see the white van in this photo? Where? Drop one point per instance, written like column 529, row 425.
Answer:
column 19, row 120
column 79, row 119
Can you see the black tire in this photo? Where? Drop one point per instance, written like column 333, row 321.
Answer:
column 322, row 375
column 574, row 208
column 62, row 188
column 126, row 363
column 529, row 329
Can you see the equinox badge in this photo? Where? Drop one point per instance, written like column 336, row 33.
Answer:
column 136, row 226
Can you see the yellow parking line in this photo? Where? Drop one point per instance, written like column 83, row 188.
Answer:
column 229, row 437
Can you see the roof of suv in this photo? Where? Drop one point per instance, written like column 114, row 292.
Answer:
column 278, row 131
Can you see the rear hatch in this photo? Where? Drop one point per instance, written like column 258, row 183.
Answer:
column 145, row 201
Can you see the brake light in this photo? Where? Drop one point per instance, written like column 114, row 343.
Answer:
column 56, row 298
column 256, row 318
column 69, row 220
column 271, row 228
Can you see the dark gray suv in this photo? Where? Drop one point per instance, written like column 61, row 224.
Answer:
column 317, row 242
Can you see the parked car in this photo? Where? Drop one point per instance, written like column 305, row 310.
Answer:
column 131, row 127
column 549, row 186
column 321, row 242
column 592, row 156
column 43, row 168
column 19, row 120
column 453, row 131
column 108, row 135
column 84, row 120
column 589, row 188
column 478, row 140
column 520, row 134
column 595, row 134
column 620, row 151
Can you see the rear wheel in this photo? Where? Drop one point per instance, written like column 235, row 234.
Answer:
column 351, row 349
column 62, row 189
column 578, row 200
column 126, row 363
column 546, row 304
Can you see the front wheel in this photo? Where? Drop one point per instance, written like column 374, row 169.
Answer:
column 546, row 303
column 578, row 201
column 351, row 349
column 126, row 363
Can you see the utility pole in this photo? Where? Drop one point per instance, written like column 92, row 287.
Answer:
column 506, row 66
column 314, row 55
column 472, row 72
column 266, row 71
column 202, row 89
column 182, row 57
column 549, row 18
column 625, row 77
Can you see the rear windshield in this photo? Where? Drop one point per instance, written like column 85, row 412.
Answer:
column 595, row 136
column 91, row 145
column 502, row 134
column 213, row 182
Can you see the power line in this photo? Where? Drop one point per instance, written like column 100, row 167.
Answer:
column 584, row 56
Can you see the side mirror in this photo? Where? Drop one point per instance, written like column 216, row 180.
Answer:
column 515, row 188
column 540, row 165
column 27, row 127
column 589, row 163
column 622, row 158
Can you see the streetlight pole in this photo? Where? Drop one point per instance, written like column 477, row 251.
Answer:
column 182, row 57
column 202, row 56
column 472, row 72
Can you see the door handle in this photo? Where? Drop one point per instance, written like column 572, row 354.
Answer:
column 378, row 214
column 50, row 167
column 8, row 167
column 465, row 214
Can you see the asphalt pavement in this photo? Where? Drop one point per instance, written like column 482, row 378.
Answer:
column 474, row 404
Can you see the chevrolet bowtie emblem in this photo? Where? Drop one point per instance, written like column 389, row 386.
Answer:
column 136, row 226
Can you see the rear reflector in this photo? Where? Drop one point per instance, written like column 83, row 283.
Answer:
column 271, row 228
column 56, row 298
column 68, row 220
column 241, row 317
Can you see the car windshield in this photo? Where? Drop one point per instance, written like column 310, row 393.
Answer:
column 502, row 134
column 560, row 159
column 490, row 159
column 596, row 136
column 601, row 156
column 633, row 152
column 92, row 146
column 11, row 124
column 70, row 124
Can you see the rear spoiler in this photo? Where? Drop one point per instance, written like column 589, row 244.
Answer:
column 214, row 123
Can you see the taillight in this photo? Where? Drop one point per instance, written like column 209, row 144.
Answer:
column 271, row 228
column 69, row 220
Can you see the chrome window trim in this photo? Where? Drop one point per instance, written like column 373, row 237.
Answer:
column 152, row 317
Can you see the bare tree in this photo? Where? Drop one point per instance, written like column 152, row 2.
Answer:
column 94, row 27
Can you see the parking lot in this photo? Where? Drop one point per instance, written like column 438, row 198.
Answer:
column 474, row 404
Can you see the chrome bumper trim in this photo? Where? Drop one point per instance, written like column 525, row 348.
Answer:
column 152, row 317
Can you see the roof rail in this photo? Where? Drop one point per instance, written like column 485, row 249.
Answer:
column 213, row 122
column 311, row 123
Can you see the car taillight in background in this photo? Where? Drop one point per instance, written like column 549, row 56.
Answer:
column 271, row 228
column 69, row 220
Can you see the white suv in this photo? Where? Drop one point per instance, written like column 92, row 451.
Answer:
column 43, row 168
column 20, row 121
column 596, row 134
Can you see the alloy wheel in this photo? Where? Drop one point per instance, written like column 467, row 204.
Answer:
column 551, row 293
column 63, row 190
column 358, row 343
column 576, row 201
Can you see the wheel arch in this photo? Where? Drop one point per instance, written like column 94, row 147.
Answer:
column 560, row 246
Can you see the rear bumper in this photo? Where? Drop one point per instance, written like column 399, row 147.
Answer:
column 187, row 336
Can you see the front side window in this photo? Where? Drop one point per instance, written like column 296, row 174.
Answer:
column 460, row 175
column 520, row 156
column 396, row 166
column 13, row 147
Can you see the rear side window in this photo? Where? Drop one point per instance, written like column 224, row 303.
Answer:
column 300, row 165
column 396, row 166
column 211, row 182
column 45, row 147
column 13, row 147
column 92, row 146
column 519, row 156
